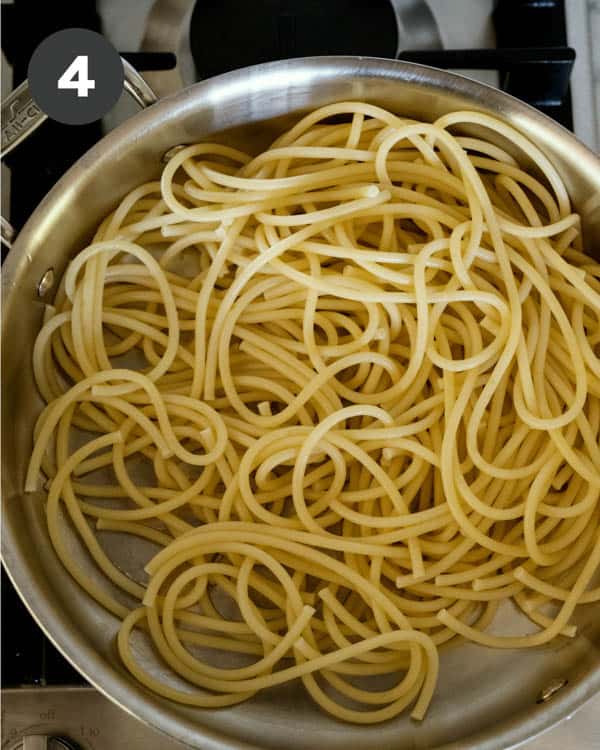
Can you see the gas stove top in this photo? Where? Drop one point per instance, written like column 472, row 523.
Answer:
column 539, row 51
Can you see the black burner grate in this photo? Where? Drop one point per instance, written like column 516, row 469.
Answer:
column 230, row 34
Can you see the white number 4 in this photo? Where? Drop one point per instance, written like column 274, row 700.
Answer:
column 76, row 77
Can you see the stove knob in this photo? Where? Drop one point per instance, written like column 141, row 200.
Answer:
column 45, row 742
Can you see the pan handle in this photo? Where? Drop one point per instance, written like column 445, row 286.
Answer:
column 137, row 86
column 21, row 116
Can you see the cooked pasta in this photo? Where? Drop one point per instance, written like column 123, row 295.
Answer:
column 350, row 389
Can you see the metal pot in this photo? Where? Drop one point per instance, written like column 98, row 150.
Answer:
column 485, row 698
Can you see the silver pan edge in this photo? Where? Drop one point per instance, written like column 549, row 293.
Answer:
column 250, row 107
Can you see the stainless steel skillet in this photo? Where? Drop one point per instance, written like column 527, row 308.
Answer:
column 485, row 699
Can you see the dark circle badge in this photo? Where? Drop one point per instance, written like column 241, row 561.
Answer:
column 75, row 76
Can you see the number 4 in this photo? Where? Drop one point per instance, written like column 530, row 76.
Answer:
column 76, row 77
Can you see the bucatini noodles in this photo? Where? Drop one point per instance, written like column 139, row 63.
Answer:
column 361, row 371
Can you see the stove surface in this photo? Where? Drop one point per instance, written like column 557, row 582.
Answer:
column 79, row 718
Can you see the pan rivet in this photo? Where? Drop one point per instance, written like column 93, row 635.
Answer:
column 171, row 152
column 46, row 283
column 550, row 689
